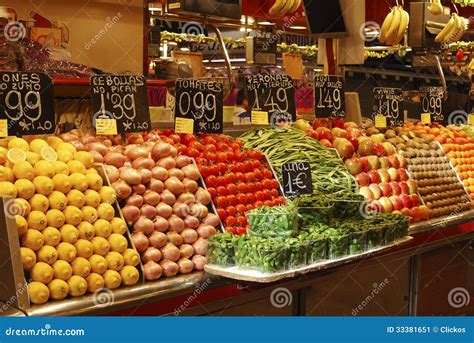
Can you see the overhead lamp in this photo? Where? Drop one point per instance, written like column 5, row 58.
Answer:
column 298, row 27
column 266, row 22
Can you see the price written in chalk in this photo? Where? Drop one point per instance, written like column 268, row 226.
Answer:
column 297, row 178
column 431, row 101
column 329, row 96
column 388, row 102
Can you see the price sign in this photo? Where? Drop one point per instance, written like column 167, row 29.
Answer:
column 388, row 102
column 123, row 98
column 426, row 118
column 272, row 94
column 296, row 178
column 431, row 101
column 26, row 103
column 201, row 101
column 329, row 96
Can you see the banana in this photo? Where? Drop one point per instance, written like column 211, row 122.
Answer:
column 295, row 6
column 454, row 28
column 460, row 30
column 385, row 26
column 405, row 19
column 440, row 37
column 277, row 6
column 436, row 7
column 394, row 25
column 288, row 6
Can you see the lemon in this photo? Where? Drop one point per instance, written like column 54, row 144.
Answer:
column 108, row 194
column 44, row 168
column 38, row 292
column 75, row 198
column 7, row 189
column 94, row 181
column 61, row 183
column 77, row 286
column 58, row 289
column 92, row 198
column 89, row 214
column 65, row 156
column 36, row 145
column 21, row 224
column 115, row 260
column 32, row 157
column 76, row 167
column 28, row 258
column 102, row 228
column 60, row 168
column 66, row 146
column 81, row 267
column 43, row 185
column 18, row 143
column 25, row 188
column 100, row 246
column 62, row 270
column 23, row 170
column 55, row 218
column 51, row 236
column 131, row 257
column 118, row 225
column 39, row 202
column 86, row 230
column 33, row 239
column 69, row 233
column 3, row 154
column 78, row 181
column 84, row 248
column 37, row 220
column 73, row 215
column 54, row 141
column 6, row 174
column 118, row 243
column 129, row 275
column 47, row 254
column 91, row 171
column 84, row 157
column 57, row 201
column 106, row 211
column 20, row 207
column 48, row 154
column 66, row 251
column 94, row 282
column 112, row 279
column 98, row 264
column 41, row 272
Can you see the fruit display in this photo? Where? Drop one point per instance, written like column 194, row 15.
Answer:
column 453, row 30
column 283, row 7
column 394, row 26
column 72, row 240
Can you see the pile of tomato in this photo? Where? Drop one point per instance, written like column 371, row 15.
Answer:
column 238, row 179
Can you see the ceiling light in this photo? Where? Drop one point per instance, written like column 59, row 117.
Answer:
column 297, row 27
column 248, row 20
column 266, row 23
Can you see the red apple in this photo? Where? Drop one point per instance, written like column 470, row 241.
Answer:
column 313, row 134
column 386, row 189
column 395, row 188
column 354, row 141
column 386, row 204
column 394, row 161
column 365, row 163
column 373, row 162
column 363, row 179
column 404, row 189
column 415, row 200
column 374, row 176
column 326, row 143
column 379, row 149
column 366, row 192
column 366, row 146
column 324, row 133
column 413, row 186
column 354, row 165
column 384, row 162
column 343, row 147
column 384, row 176
column 416, row 214
column 389, row 148
column 375, row 191
column 403, row 174
column 396, row 202
column 406, row 200
column 406, row 212
column 403, row 161
column 393, row 174
column 338, row 132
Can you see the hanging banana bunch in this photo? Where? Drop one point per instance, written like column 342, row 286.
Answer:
column 394, row 26
column 435, row 7
column 282, row 7
column 453, row 30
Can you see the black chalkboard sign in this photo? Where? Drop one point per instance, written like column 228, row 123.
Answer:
column 329, row 96
column 123, row 98
column 201, row 101
column 271, row 93
column 431, row 101
column 27, row 103
column 388, row 102
column 296, row 178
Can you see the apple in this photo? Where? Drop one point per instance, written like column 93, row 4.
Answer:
column 384, row 176
column 386, row 204
column 424, row 212
column 402, row 160
column 378, row 137
column 343, row 147
column 394, row 161
column 389, row 148
column 396, row 202
column 354, row 141
column 338, row 132
column 393, row 174
column 366, row 146
column 363, row 179
column 413, row 186
column 354, row 165
column 384, row 162
column 386, row 189
column 373, row 162
column 406, row 212
column 406, row 200
column 379, row 149
column 404, row 189
column 324, row 133
column 415, row 200
column 395, row 188
column 325, row 142
column 366, row 192
column 416, row 214
column 403, row 174
column 374, row 176
column 375, row 191
column 365, row 163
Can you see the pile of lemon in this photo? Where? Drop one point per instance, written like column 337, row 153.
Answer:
column 71, row 240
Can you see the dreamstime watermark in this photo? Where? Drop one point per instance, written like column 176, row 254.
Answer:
column 199, row 289
column 369, row 31
column 103, row 297
column 44, row 331
column 108, row 25
column 13, row 207
column 377, row 288
column 276, row 36
column 12, row 302
column 458, row 117
column 192, row 28
column 14, row 31
column 281, row 297
column 369, row 210
column 459, row 297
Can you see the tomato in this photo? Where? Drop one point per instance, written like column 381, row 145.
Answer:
column 230, row 156
column 241, row 198
column 204, row 170
column 222, row 214
column 231, row 230
column 210, row 156
column 259, row 196
column 175, row 138
column 187, row 139
column 220, row 181
column 167, row 132
column 268, row 203
column 230, row 221
column 220, row 201
column 222, row 146
column 213, row 170
column 210, row 148
column 248, row 166
column 235, row 146
column 250, row 198
column 241, row 221
column 267, row 184
column 196, row 145
column 281, row 200
column 191, row 152
column 240, row 208
column 249, row 177
column 258, row 174
column 212, row 191
column 258, row 203
column 231, row 189
column 201, row 160
column 256, row 164
column 250, row 207
column 240, row 176
column 211, row 181
column 258, row 186
column 181, row 148
column 254, row 154
column 221, row 190
column 274, row 193
column 229, row 178
column 231, row 200
column 267, row 173
column 242, row 187
column 222, row 156
column 231, row 211
column 266, row 194
column 239, row 156
column 222, row 167
column 208, row 140
column 275, row 183
column 167, row 140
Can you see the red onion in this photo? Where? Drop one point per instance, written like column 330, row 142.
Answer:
column 185, row 265
column 182, row 161
column 152, row 271
column 212, row 219
column 160, row 173
column 131, row 214
column 140, row 241
column 151, row 198
column 190, row 185
column 176, row 223
column 161, row 224
column 167, row 197
column 160, row 150
column 112, row 173
column 156, row 185
column 199, row 262
column 130, row 175
column 200, row 246
column 115, row 159
column 189, row 236
column 151, row 254
column 144, row 225
column 145, row 175
column 158, row 239
column 191, row 222
column 148, row 211
column 143, row 163
column 164, row 210
column 122, row 189
column 135, row 200
column 139, row 189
